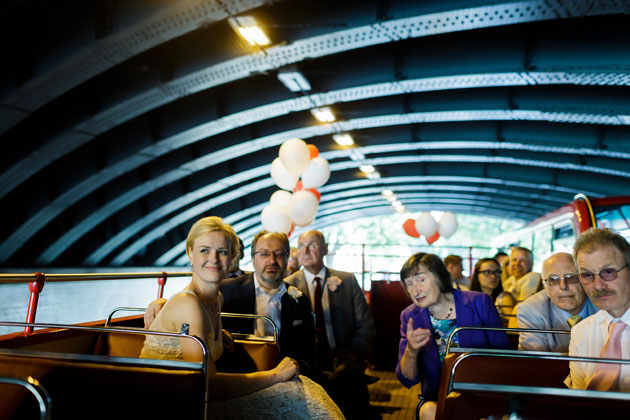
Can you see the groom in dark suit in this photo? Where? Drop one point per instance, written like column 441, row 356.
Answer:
column 264, row 293
column 343, row 323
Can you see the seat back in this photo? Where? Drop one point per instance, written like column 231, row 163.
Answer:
column 24, row 398
column 477, row 384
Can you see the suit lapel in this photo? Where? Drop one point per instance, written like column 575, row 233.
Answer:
column 301, row 283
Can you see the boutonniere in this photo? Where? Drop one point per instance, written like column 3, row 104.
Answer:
column 333, row 282
column 294, row 292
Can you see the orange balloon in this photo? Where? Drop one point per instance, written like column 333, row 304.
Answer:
column 433, row 238
column 410, row 228
column 298, row 186
column 291, row 230
column 317, row 193
column 312, row 149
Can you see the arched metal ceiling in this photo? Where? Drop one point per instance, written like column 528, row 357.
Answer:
column 123, row 122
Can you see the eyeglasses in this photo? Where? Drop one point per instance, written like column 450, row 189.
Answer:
column 607, row 274
column 568, row 279
column 276, row 254
column 310, row 246
column 489, row 273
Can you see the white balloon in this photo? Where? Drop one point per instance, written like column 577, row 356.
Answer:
column 303, row 207
column 316, row 174
column 426, row 224
column 281, row 176
column 281, row 198
column 447, row 225
column 295, row 156
column 275, row 219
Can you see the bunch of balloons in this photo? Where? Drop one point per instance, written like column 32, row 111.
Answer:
column 298, row 171
column 426, row 225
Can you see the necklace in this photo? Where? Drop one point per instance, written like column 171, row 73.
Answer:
column 448, row 315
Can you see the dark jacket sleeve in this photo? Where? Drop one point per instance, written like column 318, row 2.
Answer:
column 486, row 315
column 297, row 333
column 404, row 318
column 239, row 297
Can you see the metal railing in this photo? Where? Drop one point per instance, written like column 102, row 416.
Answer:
column 132, row 331
column 238, row 336
column 39, row 392
column 455, row 386
column 532, row 330
column 36, row 282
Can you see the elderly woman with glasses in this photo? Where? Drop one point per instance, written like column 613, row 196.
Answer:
column 487, row 279
column 426, row 324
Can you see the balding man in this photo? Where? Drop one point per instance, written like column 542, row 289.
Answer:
column 560, row 306
column 603, row 261
column 343, row 321
column 523, row 282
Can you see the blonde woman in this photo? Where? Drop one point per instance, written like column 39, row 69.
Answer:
column 212, row 246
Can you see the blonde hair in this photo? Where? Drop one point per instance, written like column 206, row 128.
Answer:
column 213, row 224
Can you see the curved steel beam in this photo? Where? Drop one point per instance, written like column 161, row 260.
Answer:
column 57, row 206
column 378, row 33
column 171, row 22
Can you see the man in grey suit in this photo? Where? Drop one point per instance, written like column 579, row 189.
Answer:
column 561, row 305
column 343, row 322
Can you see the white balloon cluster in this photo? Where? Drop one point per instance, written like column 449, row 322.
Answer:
column 297, row 202
column 426, row 225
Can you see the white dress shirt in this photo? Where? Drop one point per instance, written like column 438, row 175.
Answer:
column 269, row 305
column 587, row 339
column 310, row 281
column 524, row 287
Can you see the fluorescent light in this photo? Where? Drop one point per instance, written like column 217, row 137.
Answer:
column 343, row 139
column 391, row 198
column 247, row 27
column 323, row 114
column 368, row 169
column 387, row 193
column 374, row 175
column 401, row 209
column 355, row 155
column 294, row 81
column 396, row 203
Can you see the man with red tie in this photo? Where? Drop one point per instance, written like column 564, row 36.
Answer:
column 343, row 323
column 603, row 262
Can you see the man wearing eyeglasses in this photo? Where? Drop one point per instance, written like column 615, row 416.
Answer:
column 561, row 305
column 264, row 293
column 344, row 325
column 603, row 261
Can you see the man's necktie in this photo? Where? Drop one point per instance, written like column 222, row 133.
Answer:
column 320, row 326
column 573, row 320
column 606, row 375
column 319, row 309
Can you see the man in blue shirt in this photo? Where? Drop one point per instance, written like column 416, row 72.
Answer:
column 562, row 304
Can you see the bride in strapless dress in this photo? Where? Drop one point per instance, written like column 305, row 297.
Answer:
column 279, row 393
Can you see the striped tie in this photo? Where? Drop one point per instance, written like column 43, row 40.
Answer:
column 573, row 320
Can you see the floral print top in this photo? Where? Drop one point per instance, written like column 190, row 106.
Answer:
column 442, row 328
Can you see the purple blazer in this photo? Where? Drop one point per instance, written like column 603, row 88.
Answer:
column 472, row 309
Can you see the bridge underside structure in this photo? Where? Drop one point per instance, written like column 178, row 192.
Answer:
column 122, row 123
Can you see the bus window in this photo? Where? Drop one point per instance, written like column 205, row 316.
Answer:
column 616, row 218
column 563, row 238
column 542, row 247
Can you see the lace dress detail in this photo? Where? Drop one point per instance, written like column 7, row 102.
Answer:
column 170, row 348
column 300, row 398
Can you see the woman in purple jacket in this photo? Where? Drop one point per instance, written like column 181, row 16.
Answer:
column 436, row 311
